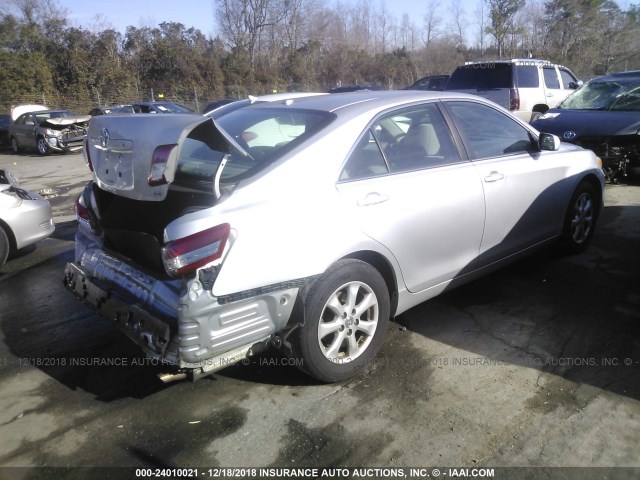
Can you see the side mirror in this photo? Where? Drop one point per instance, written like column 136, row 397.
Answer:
column 29, row 122
column 547, row 141
column 575, row 85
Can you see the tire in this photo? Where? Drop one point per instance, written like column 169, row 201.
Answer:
column 346, row 314
column 43, row 146
column 4, row 247
column 535, row 116
column 14, row 145
column 580, row 220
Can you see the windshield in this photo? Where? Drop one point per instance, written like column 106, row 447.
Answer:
column 41, row 117
column 172, row 108
column 603, row 95
column 264, row 133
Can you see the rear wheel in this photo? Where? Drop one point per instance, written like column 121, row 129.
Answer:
column 346, row 315
column 4, row 247
column 581, row 217
column 14, row 145
column 43, row 146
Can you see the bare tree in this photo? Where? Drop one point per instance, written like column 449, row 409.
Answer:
column 501, row 13
column 386, row 25
column 457, row 21
column 408, row 33
column 481, row 22
column 534, row 28
column 243, row 21
column 37, row 11
column 432, row 22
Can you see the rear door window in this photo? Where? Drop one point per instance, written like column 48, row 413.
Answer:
column 413, row 138
column 488, row 133
column 550, row 77
column 528, row 76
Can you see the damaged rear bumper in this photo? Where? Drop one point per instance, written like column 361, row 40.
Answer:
column 203, row 333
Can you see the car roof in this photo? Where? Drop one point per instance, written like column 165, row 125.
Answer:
column 630, row 75
column 364, row 100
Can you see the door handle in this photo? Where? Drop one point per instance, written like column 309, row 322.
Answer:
column 372, row 198
column 493, row 177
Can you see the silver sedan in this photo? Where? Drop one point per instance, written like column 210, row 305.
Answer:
column 307, row 224
column 25, row 217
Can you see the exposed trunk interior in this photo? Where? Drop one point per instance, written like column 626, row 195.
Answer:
column 134, row 228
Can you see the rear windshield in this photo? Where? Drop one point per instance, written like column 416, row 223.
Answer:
column 481, row 76
column 264, row 133
column 172, row 108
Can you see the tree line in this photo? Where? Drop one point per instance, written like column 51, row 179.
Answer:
column 264, row 46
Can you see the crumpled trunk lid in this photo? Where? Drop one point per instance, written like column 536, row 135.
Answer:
column 121, row 150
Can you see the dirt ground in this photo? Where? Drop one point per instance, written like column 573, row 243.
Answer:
column 534, row 366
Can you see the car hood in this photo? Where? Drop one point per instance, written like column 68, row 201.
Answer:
column 588, row 123
column 121, row 149
column 65, row 121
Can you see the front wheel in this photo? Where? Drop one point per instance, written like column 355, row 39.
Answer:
column 581, row 217
column 14, row 145
column 4, row 247
column 43, row 146
column 346, row 315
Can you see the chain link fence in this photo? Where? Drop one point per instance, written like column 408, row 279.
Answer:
column 83, row 103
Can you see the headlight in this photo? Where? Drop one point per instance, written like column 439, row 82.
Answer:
column 52, row 133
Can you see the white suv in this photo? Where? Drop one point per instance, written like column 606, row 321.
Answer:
column 526, row 87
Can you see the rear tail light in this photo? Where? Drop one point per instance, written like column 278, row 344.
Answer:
column 82, row 213
column 514, row 99
column 159, row 161
column 87, row 154
column 190, row 253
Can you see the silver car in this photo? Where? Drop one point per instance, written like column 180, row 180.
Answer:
column 25, row 217
column 307, row 224
column 48, row 131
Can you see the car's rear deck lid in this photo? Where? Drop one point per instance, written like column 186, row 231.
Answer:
column 121, row 149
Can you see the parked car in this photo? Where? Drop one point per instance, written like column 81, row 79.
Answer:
column 160, row 107
column 433, row 82
column 25, row 217
column 217, row 104
column 355, row 88
column 5, row 123
column 49, row 130
column 603, row 116
column 111, row 110
column 526, row 87
column 306, row 224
